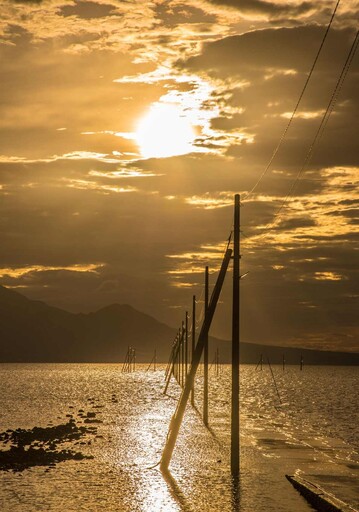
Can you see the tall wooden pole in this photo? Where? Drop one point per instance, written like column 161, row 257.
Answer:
column 177, row 417
column 235, row 463
column 193, row 339
column 205, row 353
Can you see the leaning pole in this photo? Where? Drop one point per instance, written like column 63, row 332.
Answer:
column 235, row 444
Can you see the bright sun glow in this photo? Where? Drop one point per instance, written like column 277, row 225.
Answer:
column 164, row 132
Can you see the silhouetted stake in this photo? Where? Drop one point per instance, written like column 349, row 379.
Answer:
column 260, row 362
column 193, row 339
column 124, row 367
column 301, row 362
column 205, row 353
column 170, row 359
column 176, row 367
column 177, row 417
column 182, row 356
column 235, row 462
column 174, row 364
column 132, row 360
column 128, row 366
column 153, row 360
column 186, row 345
column 215, row 361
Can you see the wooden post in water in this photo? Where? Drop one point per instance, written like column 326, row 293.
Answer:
column 176, row 367
column 153, row 360
column 129, row 362
column 182, row 355
column 205, row 353
column 186, row 346
column 170, row 359
column 235, row 445
column 124, row 367
column 174, row 363
column 177, row 417
column 193, row 339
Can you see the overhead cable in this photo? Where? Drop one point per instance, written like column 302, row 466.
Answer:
column 296, row 106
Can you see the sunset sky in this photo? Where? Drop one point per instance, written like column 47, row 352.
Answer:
column 126, row 128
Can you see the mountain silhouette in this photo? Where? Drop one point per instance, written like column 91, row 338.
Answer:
column 32, row 331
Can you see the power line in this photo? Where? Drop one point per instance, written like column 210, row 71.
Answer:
column 296, row 106
column 320, row 130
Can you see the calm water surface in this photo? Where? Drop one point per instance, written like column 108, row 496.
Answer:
column 310, row 427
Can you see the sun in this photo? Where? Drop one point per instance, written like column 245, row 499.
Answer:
column 165, row 131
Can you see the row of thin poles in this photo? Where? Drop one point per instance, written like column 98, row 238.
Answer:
column 129, row 364
column 153, row 361
column 187, row 390
column 301, row 363
column 180, row 355
column 178, row 364
column 216, row 363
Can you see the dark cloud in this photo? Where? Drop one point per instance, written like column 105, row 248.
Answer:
column 270, row 9
column 280, row 48
column 273, row 64
column 28, row 1
column 174, row 15
column 88, row 10
column 300, row 222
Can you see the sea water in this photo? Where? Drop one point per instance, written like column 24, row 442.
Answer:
column 292, row 422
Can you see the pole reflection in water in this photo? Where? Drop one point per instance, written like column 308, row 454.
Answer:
column 235, row 493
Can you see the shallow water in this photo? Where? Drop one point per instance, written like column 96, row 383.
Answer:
column 311, row 428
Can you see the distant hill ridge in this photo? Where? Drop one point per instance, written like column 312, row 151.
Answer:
column 32, row 331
